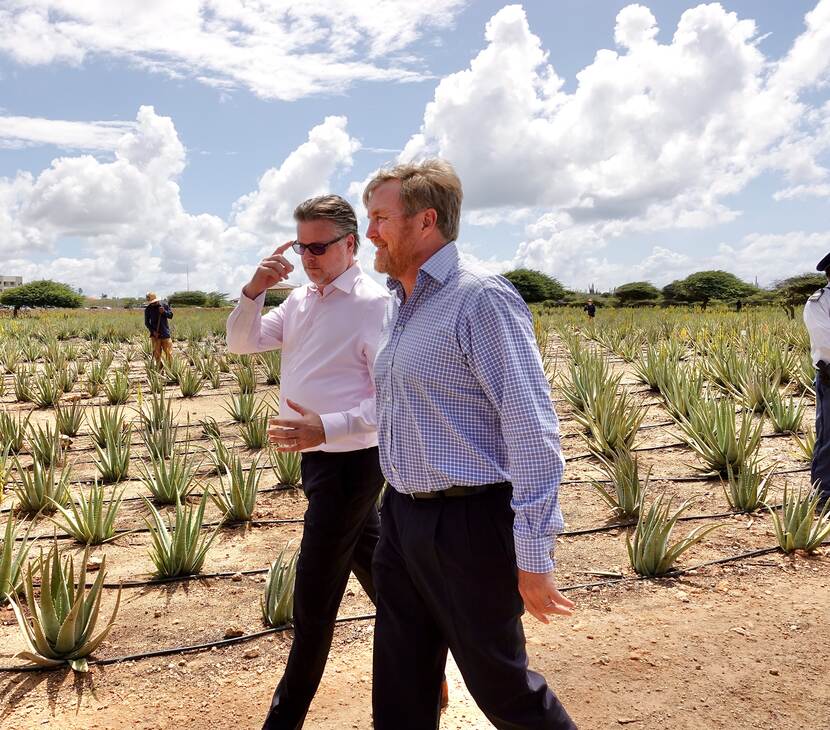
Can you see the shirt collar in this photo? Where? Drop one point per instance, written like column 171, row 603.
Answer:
column 438, row 266
column 345, row 282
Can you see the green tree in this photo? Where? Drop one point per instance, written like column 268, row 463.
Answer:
column 534, row 286
column 703, row 286
column 636, row 292
column 216, row 299
column 793, row 292
column 43, row 293
column 275, row 298
column 674, row 293
column 188, row 299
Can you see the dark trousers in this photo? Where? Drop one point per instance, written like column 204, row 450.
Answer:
column 445, row 572
column 340, row 532
column 820, row 466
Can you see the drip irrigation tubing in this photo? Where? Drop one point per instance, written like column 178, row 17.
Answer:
column 367, row 617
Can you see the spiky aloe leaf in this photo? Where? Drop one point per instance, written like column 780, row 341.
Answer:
column 13, row 554
column 798, row 527
column 63, row 618
column 236, row 497
column 91, row 520
column 277, row 602
column 650, row 553
column 286, row 466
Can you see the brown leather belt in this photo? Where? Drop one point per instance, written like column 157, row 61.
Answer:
column 453, row 492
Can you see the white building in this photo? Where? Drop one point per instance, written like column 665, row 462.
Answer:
column 9, row 282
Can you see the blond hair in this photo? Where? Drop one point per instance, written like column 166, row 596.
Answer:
column 331, row 208
column 428, row 184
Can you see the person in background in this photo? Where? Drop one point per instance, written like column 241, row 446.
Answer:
column 469, row 444
column 590, row 308
column 157, row 316
column 817, row 320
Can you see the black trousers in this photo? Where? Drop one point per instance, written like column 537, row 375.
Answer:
column 445, row 572
column 820, row 466
column 340, row 532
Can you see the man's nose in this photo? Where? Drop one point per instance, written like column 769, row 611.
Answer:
column 372, row 232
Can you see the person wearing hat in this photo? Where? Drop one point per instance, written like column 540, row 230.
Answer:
column 590, row 308
column 156, row 316
column 817, row 319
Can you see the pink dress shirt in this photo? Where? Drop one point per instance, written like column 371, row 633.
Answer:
column 328, row 342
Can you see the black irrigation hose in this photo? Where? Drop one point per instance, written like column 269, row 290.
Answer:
column 366, row 617
column 186, row 649
column 136, row 583
column 205, row 525
column 702, row 478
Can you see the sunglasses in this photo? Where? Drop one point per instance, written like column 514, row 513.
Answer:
column 318, row 249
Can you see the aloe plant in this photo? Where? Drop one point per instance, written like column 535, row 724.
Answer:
column 13, row 430
column 46, row 445
column 23, row 384
column 255, row 432
column 190, row 382
column 90, row 520
column 117, row 388
column 113, row 458
column 611, row 421
column 13, row 554
column 210, row 427
column 69, row 418
column 277, row 602
column 64, row 616
column 650, row 553
column 242, row 407
column 628, row 491
column 799, row 526
column 169, row 480
column 220, row 455
column 286, row 466
column 747, row 489
column 45, row 390
column 785, row 416
column 180, row 550
column 807, row 445
column 237, row 493
column 272, row 363
column 37, row 490
column 711, row 431
column 245, row 379
column 107, row 425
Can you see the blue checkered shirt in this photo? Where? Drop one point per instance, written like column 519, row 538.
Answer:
column 462, row 398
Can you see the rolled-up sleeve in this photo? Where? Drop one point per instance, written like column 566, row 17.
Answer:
column 248, row 331
column 497, row 335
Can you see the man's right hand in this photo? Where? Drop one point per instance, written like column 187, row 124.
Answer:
column 271, row 270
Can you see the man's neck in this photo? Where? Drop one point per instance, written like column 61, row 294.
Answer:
column 410, row 277
column 322, row 287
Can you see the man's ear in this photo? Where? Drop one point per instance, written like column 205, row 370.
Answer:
column 429, row 219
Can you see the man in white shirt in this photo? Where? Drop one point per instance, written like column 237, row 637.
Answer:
column 817, row 320
column 328, row 331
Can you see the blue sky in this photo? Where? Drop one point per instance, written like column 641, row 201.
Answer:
column 697, row 138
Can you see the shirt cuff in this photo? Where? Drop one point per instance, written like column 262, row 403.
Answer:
column 247, row 303
column 335, row 426
column 534, row 554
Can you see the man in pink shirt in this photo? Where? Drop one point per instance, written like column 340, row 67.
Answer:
column 328, row 331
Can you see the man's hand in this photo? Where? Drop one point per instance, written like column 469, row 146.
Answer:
column 538, row 591
column 296, row 434
column 271, row 270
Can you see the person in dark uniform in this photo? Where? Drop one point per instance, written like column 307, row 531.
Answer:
column 590, row 308
column 817, row 319
column 156, row 316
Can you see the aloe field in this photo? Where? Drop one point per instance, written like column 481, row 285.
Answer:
column 149, row 534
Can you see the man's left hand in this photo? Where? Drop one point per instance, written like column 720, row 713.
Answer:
column 538, row 591
column 296, row 434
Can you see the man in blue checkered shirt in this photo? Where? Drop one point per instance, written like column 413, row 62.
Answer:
column 469, row 443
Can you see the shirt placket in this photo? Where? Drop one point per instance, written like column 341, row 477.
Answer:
column 404, row 314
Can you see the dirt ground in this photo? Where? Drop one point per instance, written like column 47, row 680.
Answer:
column 734, row 646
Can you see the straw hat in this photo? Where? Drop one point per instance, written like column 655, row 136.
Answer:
column 152, row 298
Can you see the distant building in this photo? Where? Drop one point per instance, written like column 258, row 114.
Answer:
column 9, row 282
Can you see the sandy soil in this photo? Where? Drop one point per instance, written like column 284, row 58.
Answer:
column 734, row 646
